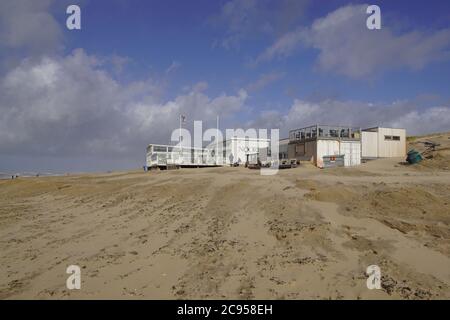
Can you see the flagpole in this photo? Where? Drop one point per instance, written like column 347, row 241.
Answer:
column 217, row 141
column 179, row 138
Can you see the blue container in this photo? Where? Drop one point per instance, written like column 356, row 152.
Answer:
column 414, row 157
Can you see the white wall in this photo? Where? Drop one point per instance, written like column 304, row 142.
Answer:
column 325, row 148
column 375, row 145
column 350, row 149
column 369, row 144
column 239, row 148
column 391, row 148
column 352, row 152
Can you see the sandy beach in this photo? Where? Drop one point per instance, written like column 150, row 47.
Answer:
column 230, row 233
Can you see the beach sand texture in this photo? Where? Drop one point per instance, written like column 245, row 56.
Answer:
column 230, row 233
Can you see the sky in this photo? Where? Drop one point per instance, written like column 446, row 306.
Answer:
column 93, row 99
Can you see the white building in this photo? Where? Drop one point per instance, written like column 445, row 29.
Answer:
column 163, row 156
column 325, row 146
column 231, row 151
column 318, row 141
column 236, row 149
column 383, row 143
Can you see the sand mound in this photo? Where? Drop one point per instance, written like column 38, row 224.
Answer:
column 437, row 159
column 332, row 193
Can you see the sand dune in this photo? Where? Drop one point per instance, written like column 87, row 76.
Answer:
column 230, row 233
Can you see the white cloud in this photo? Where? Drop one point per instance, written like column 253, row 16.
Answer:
column 264, row 80
column 400, row 114
column 347, row 47
column 70, row 105
column 200, row 86
column 173, row 67
column 27, row 24
column 118, row 62
column 283, row 46
column 245, row 19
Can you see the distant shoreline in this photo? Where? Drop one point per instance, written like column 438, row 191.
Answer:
column 5, row 176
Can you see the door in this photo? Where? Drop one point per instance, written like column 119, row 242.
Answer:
column 352, row 152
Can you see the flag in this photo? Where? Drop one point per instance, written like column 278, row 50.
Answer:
column 183, row 118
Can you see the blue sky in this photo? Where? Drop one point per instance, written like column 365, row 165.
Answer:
column 105, row 91
column 154, row 34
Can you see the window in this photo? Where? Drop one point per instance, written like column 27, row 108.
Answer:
column 159, row 149
column 345, row 133
column 321, row 132
column 355, row 133
column 291, row 136
column 308, row 133
column 392, row 138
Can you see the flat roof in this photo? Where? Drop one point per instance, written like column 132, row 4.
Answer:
column 376, row 128
column 247, row 139
column 174, row 146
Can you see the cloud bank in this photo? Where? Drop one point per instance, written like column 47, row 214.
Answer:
column 22, row 23
column 71, row 105
column 345, row 46
column 398, row 114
